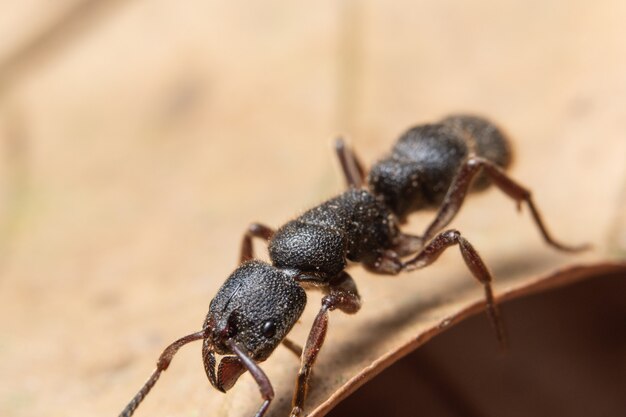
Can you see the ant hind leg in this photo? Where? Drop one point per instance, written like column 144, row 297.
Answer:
column 461, row 185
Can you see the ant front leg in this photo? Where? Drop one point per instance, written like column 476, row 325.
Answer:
column 461, row 184
column 352, row 168
column 342, row 295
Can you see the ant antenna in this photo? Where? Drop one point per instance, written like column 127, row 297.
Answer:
column 162, row 364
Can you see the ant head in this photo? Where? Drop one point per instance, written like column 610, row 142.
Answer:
column 256, row 307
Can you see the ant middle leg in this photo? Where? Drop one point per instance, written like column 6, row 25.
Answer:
column 342, row 295
column 390, row 263
column 461, row 184
column 352, row 168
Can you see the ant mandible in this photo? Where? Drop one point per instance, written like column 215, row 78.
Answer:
column 430, row 166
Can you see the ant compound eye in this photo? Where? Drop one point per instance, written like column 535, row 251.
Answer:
column 269, row 329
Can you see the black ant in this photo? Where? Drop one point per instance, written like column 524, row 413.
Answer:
column 431, row 166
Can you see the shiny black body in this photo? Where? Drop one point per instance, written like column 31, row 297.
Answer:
column 422, row 164
column 354, row 226
column 430, row 166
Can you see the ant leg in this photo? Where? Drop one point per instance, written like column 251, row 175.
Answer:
column 408, row 244
column 265, row 386
column 461, row 184
column 475, row 264
column 352, row 169
column 342, row 295
column 293, row 347
column 162, row 364
column 254, row 230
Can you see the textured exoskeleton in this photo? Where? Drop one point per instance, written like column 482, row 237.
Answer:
column 430, row 166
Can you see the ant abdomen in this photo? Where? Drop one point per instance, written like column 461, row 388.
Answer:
column 484, row 139
column 420, row 169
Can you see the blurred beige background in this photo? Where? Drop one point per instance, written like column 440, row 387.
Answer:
column 139, row 138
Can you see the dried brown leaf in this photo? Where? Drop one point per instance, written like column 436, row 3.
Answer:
column 125, row 224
